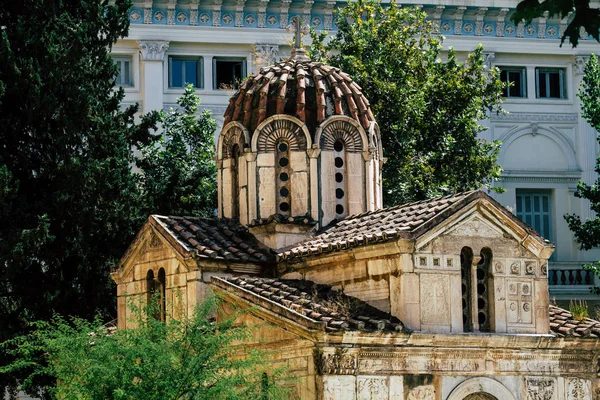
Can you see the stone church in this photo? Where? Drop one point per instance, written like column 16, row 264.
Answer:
column 445, row 299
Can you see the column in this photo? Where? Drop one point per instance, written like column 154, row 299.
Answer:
column 152, row 57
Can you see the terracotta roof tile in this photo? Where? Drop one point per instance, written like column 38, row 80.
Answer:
column 216, row 238
column 407, row 220
column 311, row 304
column 563, row 324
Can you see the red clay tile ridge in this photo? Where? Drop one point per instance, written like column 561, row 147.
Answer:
column 563, row 324
column 310, row 91
column 312, row 305
column 216, row 238
column 386, row 224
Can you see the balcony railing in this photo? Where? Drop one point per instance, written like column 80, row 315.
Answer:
column 570, row 277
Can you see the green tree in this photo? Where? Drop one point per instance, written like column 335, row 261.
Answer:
column 427, row 109
column 582, row 16
column 184, row 358
column 179, row 171
column 587, row 233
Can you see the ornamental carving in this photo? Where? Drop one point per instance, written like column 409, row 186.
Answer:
column 578, row 389
column 344, row 131
column 265, row 54
column 153, row 50
column 372, row 388
column 338, row 363
column 480, row 396
column 425, row 392
column 530, row 268
column 233, row 136
column 579, row 64
column 540, row 388
column 435, row 300
column 284, row 129
column 475, row 227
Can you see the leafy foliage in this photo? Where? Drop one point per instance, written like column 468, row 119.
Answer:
column 179, row 171
column 587, row 233
column 69, row 201
column 427, row 109
column 583, row 16
column 184, row 358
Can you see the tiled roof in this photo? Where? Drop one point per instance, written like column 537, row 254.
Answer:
column 310, row 91
column 216, row 238
column 407, row 220
column 563, row 324
column 313, row 305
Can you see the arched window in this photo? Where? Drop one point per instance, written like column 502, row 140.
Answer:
column 235, row 181
column 282, row 178
column 339, row 160
column 482, row 281
column 466, row 260
column 475, row 290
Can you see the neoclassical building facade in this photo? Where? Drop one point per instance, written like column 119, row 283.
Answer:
column 445, row 299
column 547, row 146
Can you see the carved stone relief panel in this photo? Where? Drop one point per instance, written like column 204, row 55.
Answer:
column 578, row 389
column 336, row 387
column 425, row 392
column 477, row 227
column 540, row 388
column 372, row 388
column 435, row 300
column 480, row 396
column 520, row 302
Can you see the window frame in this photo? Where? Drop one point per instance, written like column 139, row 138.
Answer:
column 523, row 76
column 121, row 58
column 562, row 75
column 549, row 193
column 215, row 60
column 199, row 60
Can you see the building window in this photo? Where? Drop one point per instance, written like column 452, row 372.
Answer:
column 124, row 71
column 282, row 186
column 184, row 71
column 341, row 203
column 475, row 281
column 550, row 83
column 228, row 72
column 534, row 208
column 516, row 77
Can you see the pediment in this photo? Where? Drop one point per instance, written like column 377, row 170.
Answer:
column 476, row 226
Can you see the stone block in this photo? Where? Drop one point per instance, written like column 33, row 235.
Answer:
column 266, row 191
column 435, row 304
column 298, row 161
column 265, row 160
column 382, row 266
column 300, row 193
column 372, row 387
column 339, row 387
column 242, row 171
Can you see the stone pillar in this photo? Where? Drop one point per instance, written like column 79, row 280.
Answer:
column 208, row 72
column 251, row 164
column 313, row 155
column 152, row 57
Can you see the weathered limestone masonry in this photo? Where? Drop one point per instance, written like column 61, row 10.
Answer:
column 445, row 299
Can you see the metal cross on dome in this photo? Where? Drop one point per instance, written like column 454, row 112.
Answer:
column 298, row 30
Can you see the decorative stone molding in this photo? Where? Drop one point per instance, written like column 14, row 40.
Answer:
column 283, row 13
column 153, row 50
column 458, row 20
column 479, row 16
column 341, row 128
column 526, row 117
column 372, row 387
column 579, row 64
column 500, row 21
column 578, row 389
column 281, row 126
column 540, row 388
column 436, row 16
column 425, row 392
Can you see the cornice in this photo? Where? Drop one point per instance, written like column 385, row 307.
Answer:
column 570, row 118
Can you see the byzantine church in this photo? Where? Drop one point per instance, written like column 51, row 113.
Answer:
column 445, row 299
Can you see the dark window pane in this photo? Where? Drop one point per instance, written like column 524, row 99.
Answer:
column 554, row 79
column 176, row 73
column 228, row 74
column 542, row 84
column 536, row 204
column 191, row 73
column 125, row 78
column 519, row 206
column 515, row 79
column 545, row 203
column 528, row 204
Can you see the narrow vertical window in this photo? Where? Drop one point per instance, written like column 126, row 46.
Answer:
column 124, row 71
column 235, row 182
column 482, row 290
column 339, row 159
column 466, row 260
column 282, row 187
column 162, row 298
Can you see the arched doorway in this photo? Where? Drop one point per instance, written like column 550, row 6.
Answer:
column 480, row 396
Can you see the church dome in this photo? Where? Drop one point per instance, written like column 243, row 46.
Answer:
column 310, row 91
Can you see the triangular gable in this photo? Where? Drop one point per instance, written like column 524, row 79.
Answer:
column 150, row 239
column 485, row 217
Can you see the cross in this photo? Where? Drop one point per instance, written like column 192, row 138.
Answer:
column 298, row 30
